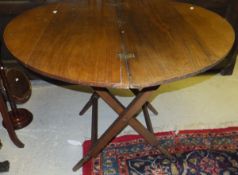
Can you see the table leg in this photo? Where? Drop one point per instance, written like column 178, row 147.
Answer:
column 94, row 132
column 119, row 108
column 147, row 118
column 147, row 104
column 126, row 116
column 146, row 112
column 8, row 123
column 89, row 103
column 93, row 99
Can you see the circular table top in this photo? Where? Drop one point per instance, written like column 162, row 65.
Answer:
column 119, row 43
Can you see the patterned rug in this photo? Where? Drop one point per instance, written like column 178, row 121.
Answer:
column 205, row 152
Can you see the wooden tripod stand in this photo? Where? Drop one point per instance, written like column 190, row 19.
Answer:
column 11, row 81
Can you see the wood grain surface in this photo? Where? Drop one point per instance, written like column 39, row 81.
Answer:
column 119, row 43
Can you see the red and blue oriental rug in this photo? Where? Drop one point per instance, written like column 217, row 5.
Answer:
column 205, row 152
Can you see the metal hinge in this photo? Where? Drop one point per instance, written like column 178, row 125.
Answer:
column 126, row 55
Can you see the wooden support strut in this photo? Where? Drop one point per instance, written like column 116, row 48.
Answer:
column 126, row 116
column 145, row 108
column 93, row 101
column 116, row 105
column 94, row 132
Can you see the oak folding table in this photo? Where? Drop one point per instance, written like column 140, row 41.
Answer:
column 123, row 44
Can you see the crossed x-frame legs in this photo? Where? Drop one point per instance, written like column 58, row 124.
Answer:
column 93, row 102
column 127, row 116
